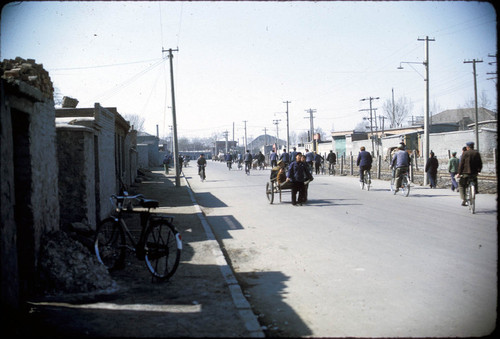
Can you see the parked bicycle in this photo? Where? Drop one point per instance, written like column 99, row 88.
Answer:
column 159, row 243
column 367, row 180
column 405, row 183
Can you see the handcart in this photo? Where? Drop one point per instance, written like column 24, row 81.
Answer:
column 273, row 187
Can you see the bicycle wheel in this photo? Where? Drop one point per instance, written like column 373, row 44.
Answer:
column 109, row 244
column 405, row 190
column 162, row 249
column 270, row 191
column 472, row 198
column 393, row 182
column 368, row 180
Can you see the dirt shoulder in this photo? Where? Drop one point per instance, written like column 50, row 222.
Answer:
column 196, row 302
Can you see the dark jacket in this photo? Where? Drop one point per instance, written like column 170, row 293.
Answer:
column 470, row 162
column 298, row 172
column 364, row 159
column 285, row 157
column 432, row 165
column 332, row 157
column 201, row 161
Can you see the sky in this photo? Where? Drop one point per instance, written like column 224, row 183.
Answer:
column 237, row 63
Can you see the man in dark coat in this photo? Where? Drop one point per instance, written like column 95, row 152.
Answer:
column 298, row 173
column 469, row 167
column 431, row 168
column 364, row 162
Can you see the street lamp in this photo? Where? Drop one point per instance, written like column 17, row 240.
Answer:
column 426, row 117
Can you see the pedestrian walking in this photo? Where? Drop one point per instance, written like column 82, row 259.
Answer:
column 431, row 168
column 309, row 159
column 453, row 170
column 273, row 158
column 285, row 157
column 317, row 162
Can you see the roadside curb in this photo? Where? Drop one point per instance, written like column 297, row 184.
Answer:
column 239, row 300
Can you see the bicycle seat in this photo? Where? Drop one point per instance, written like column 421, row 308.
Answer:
column 149, row 203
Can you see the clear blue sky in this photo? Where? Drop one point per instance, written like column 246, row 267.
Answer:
column 241, row 60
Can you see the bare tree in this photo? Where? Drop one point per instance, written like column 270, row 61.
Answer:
column 136, row 121
column 398, row 111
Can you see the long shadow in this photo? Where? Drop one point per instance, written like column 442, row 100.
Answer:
column 207, row 199
column 222, row 224
column 270, row 288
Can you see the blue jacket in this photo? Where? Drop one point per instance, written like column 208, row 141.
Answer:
column 401, row 159
column 298, row 172
column 285, row 157
column 309, row 156
column 364, row 159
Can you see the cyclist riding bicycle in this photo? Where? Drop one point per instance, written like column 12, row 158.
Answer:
column 468, row 168
column 248, row 161
column 202, row 162
column 364, row 162
column 400, row 162
column 332, row 159
column 229, row 160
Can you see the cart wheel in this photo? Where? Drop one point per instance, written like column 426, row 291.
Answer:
column 270, row 192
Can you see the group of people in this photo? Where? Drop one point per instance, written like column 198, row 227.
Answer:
column 313, row 160
column 464, row 169
column 297, row 176
column 180, row 161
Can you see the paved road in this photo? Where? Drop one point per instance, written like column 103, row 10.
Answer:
column 356, row 263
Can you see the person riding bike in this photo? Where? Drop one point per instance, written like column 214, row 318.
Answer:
column 469, row 167
column 332, row 159
column 229, row 160
column 400, row 162
column 260, row 160
column 202, row 162
column 364, row 162
column 248, row 161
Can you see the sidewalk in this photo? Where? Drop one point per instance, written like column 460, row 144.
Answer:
column 202, row 299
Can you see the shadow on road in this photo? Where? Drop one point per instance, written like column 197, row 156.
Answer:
column 271, row 286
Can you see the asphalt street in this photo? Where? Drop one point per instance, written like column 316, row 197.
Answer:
column 353, row 262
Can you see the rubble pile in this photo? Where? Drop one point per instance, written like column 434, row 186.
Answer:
column 29, row 72
column 66, row 266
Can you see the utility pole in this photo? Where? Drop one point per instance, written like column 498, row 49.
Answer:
column 473, row 62
column 426, row 116
column 276, row 122
column 226, row 133
column 245, row 121
column 287, row 127
column 265, row 136
column 174, row 120
column 371, row 122
column 311, row 126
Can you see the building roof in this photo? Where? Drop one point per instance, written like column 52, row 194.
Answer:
column 456, row 115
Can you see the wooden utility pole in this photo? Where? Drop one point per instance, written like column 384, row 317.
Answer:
column 473, row 62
